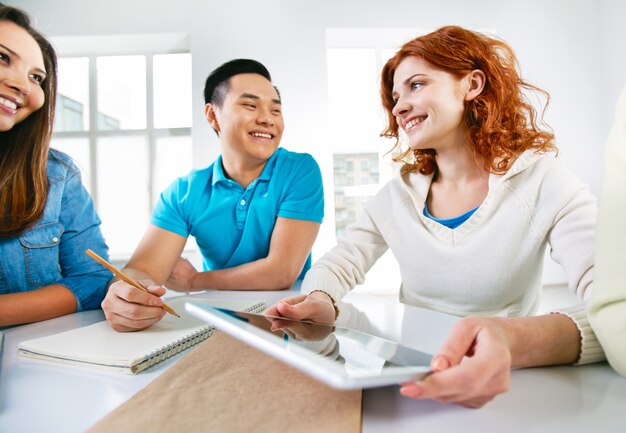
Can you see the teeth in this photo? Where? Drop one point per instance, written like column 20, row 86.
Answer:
column 414, row 122
column 262, row 135
column 12, row 105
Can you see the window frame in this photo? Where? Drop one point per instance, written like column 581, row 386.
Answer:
column 92, row 134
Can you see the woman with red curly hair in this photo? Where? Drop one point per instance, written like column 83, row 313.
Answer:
column 479, row 198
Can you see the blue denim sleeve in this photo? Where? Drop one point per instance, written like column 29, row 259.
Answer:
column 86, row 278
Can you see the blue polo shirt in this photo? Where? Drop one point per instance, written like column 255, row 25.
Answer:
column 233, row 225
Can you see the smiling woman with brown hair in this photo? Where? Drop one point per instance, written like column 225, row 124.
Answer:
column 48, row 218
column 27, row 104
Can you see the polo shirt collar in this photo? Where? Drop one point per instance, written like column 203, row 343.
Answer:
column 266, row 174
column 268, row 170
column 218, row 172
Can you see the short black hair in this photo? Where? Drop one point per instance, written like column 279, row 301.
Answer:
column 216, row 85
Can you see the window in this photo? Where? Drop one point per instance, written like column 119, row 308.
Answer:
column 121, row 90
column 348, row 196
column 354, row 100
column 362, row 163
column 72, row 111
column 69, row 114
column 124, row 115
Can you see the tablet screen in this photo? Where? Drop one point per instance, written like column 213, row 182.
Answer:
column 340, row 356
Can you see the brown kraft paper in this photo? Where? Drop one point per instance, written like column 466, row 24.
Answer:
column 226, row 386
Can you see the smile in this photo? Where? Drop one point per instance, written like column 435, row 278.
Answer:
column 415, row 121
column 10, row 104
column 262, row 135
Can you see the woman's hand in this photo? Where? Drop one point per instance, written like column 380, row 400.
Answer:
column 474, row 364
column 471, row 368
column 316, row 306
column 129, row 309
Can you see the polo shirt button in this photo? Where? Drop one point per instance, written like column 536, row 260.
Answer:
column 242, row 202
column 55, row 239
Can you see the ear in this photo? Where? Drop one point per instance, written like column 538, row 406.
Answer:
column 475, row 84
column 211, row 116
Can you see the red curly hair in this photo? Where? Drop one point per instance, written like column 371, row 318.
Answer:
column 501, row 122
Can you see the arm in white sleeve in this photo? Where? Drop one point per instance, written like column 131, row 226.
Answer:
column 345, row 266
column 607, row 308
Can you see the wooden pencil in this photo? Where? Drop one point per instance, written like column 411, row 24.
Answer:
column 126, row 278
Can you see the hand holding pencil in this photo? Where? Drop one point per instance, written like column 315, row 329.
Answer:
column 130, row 305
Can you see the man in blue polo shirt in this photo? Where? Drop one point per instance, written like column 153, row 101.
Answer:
column 255, row 212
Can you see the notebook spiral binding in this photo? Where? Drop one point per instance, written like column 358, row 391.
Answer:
column 184, row 343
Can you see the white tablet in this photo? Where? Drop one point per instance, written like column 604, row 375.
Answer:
column 340, row 357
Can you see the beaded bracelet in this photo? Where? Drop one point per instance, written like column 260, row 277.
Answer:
column 331, row 299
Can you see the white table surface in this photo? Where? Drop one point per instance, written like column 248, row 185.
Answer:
column 36, row 397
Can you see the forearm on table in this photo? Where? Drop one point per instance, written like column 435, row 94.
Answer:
column 138, row 274
column 263, row 274
column 36, row 305
column 550, row 339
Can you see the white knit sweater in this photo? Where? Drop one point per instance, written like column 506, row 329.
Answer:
column 492, row 264
column 607, row 308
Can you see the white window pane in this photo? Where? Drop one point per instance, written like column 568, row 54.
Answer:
column 173, row 159
column 72, row 110
column 172, row 90
column 351, row 195
column 354, row 99
column 353, row 92
column 123, row 196
column 121, row 92
column 388, row 53
column 78, row 149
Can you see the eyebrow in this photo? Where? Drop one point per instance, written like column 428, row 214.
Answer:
column 14, row 54
column 251, row 96
column 406, row 82
column 10, row 51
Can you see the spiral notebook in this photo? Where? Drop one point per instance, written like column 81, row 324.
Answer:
column 99, row 346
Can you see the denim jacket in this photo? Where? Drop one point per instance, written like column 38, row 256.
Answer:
column 53, row 250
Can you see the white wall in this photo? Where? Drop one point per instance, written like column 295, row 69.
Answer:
column 613, row 46
column 574, row 49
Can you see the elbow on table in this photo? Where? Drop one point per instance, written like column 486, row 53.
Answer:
column 617, row 363
column 611, row 338
column 280, row 273
column 285, row 280
column 606, row 317
column 285, row 276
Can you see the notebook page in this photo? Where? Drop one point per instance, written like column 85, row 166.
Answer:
column 99, row 344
